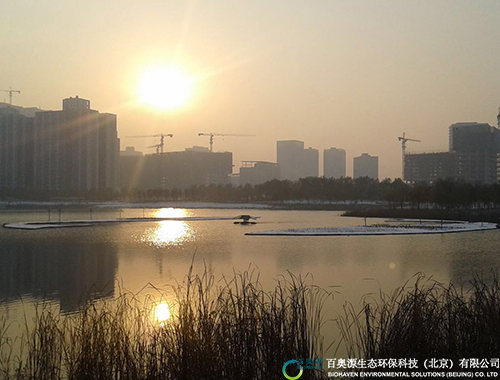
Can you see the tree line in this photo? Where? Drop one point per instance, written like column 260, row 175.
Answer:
column 446, row 194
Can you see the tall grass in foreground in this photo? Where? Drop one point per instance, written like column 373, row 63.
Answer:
column 427, row 320
column 232, row 329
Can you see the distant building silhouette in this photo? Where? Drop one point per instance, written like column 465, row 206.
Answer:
column 256, row 172
column 473, row 156
column 334, row 163
column 130, row 151
column 176, row 169
column 295, row 161
column 16, row 150
column 366, row 166
column 311, row 163
column 76, row 149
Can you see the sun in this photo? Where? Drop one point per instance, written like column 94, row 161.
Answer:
column 165, row 87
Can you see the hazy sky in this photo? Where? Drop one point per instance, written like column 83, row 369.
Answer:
column 343, row 73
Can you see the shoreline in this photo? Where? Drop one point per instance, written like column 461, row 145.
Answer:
column 363, row 209
column 289, row 205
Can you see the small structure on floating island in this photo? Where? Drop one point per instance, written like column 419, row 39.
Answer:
column 246, row 219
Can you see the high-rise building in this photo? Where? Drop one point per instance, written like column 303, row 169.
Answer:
column 76, row 149
column 366, row 166
column 476, row 147
column 289, row 155
column 255, row 172
column 334, row 163
column 295, row 161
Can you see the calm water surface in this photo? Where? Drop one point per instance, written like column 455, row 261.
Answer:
column 66, row 265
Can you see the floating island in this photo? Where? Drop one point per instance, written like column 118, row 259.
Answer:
column 409, row 228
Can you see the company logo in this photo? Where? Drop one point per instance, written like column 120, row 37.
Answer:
column 290, row 377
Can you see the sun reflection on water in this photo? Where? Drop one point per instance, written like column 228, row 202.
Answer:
column 168, row 232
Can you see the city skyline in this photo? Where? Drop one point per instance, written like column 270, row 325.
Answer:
column 349, row 74
column 293, row 160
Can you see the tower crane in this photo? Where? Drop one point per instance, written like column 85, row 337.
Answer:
column 11, row 91
column 404, row 140
column 220, row 134
column 159, row 147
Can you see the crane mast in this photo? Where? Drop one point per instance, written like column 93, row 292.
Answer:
column 11, row 91
column 404, row 140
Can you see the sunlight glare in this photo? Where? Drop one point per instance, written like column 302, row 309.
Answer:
column 162, row 313
column 165, row 88
column 168, row 233
column 170, row 212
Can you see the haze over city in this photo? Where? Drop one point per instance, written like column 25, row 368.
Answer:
column 349, row 74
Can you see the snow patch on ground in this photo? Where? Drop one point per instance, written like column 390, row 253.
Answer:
column 420, row 229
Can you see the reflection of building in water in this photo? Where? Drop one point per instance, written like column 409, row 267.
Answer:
column 472, row 255
column 69, row 273
column 176, row 169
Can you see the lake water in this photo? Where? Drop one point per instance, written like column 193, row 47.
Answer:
column 66, row 265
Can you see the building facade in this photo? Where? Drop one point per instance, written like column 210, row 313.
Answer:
column 366, row 166
column 476, row 147
column 334, row 163
column 429, row 167
column 63, row 152
column 16, row 151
